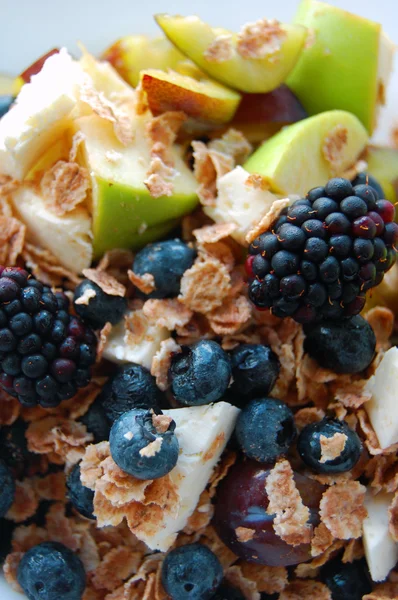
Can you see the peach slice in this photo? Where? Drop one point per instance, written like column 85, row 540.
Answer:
column 201, row 99
column 133, row 53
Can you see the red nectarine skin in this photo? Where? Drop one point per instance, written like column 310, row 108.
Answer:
column 114, row 55
column 36, row 67
column 278, row 106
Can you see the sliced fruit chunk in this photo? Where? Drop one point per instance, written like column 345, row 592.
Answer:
column 380, row 549
column 330, row 72
column 382, row 408
column 41, row 114
column 259, row 116
column 37, row 66
column 256, row 60
column 239, row 202
column 201, row 98
column 9, row 86
column 68, row 237
column 134, row 53
column 308, row 153
column 203, row 433
column 125, row 215
column 383, row 165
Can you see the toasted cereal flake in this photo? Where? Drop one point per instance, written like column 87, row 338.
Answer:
column 117, row 565
column 85, row 298
column 321, row 540
column 77, row 139
column 162, row 132
column 159, row 180
column 103, row 340
column 351, row 393
column 89, row 552
column 220, row 49
column 161, row 362
column 291, row 520
column 64, row 186
column 152, row 448
column 212, row 541
column 117, row 258
column 51, row 487
column 25, row 502
column 332, row 447
column 136, row 324
column 333, row 147
column 265, row 223
column 209, row 166
column 10, row 409
column 168, row 312
column 220, row 471
column 236, row 578
column 234, row 144
column 60, row 528
column 205, row 285
column 371, row 441
column 307, row 416
column 244, row 534
column 311, row 569
column 26, row 536
column 393, row 517
column 10, row 569
column 221, row 251
column 145, row 283
column 106, row 282
column 383, row 591
column 90, row 467
column 353, row 551
column 12, row 238
column 45, row 267
column 214, row 233
column 56, row 437
column 342, row 509
column 269, row 580
column 202, row 515
column 306, row 590
column 230, row 316
column 260, row 39
column 258, row 182
column 381, row 319
column 7, row 186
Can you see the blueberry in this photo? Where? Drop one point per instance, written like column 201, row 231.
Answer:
column 310, row 448
column 5, row 104
column 50, row 571
column 166, row 261
column 133, row 387
column 96, row 422
column 200, row 373
column 6, row 532
column 7, row 488
column 191, row 572
column 265, row 429
column 344, row 347
column 227, row 592
column 347, row 581
column 255, row 368
column 100, row 308
column 141, row 447
column 82, row 497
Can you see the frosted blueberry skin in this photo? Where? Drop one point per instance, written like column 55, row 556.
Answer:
column 227, row 592
column 191, row 572
column 346, row 346
column 7, row 488
column 96, row 422
column 347, row 581
column 129, row 439
column 265, row 429
column 309, row 446
column 255, row 369
column 81, row 497
column 200, row 374
column 166, row 261
column 101, row 309
column 50, row 571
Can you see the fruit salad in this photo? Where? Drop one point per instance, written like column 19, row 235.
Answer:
column 198, row 290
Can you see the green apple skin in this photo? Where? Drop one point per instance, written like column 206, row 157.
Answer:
column 338, row 68
column 192, row 37
column 383, row 165
column 292, row 161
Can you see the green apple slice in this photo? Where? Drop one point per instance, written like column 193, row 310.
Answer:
column 308, row 153
column 345, row 65
column 383, row 165
column 125, row 215
column 194, row 37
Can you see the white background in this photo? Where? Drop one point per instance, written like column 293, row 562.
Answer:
column 32, row 27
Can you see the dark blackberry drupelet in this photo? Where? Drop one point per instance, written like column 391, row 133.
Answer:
column 45, row 352
column 341, row 233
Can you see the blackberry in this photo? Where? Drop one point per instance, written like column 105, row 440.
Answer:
column 322, row 255
column 45, row 352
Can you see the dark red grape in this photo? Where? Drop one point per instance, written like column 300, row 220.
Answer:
column 242, row 502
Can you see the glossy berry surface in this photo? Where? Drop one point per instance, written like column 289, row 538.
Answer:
column 96, row 422
column 346, row 346
column 100, row 308
column 310, row 449
column 331, row 237
column 139, row 448
column 7, row 488
column 265, row 429
column 227, row 592
column 347, row 581
column 242, row 501
column 366, row 179
column 200, row 373
column 191, row 572
column 132, row 387
column 45, row 352
column 81, row 497
column 255, row 369
column 50, row 571
column 166, row 262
